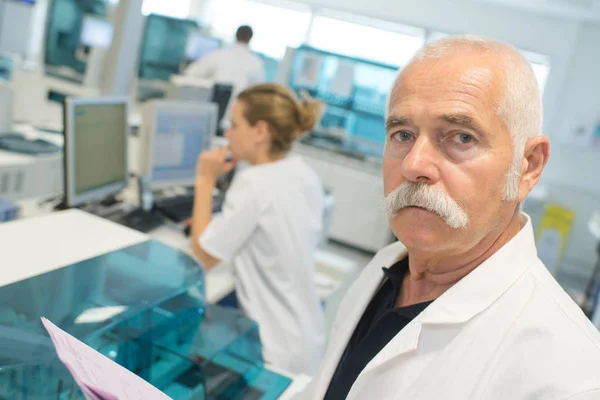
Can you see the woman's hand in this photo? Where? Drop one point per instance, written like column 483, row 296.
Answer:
column 212, row 164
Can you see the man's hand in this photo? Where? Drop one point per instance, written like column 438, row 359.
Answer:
column 212, row 164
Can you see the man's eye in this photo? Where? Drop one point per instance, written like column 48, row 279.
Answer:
column 463, row 138
column 403, row 136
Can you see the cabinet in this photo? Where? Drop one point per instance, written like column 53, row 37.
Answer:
column 357, row 188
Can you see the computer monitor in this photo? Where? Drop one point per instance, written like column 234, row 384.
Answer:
column 96, row 32
column 188, row 88
column 172, row 135
column 95, row 149
column 198, row 45
column 221, row 97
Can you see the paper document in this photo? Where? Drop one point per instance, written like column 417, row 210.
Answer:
column 99, row 377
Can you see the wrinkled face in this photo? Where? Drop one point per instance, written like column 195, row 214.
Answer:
column 447, row 154
column 242, row 136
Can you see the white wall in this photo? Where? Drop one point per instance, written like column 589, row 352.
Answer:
column 579, row 102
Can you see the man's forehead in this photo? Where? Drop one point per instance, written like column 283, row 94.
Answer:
column 478, row 78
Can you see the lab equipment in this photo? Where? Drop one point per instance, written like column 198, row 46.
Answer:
column 95, row 155
column 17, row 143
column 6, row 106
column 221, row 96
column 160, row 58
column 8, row 210
column 143, row 306
column 17, row 20
column 25, row 176
column 172, row 135
column 354, row 90
column 63, row 34
column 96, row 32
column 6, row 68
column 271, row 67
column 189, row 89
column 199, row 45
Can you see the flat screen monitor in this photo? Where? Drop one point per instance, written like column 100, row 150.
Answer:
column 96, row 133
column 198, row 45
column 96, row 32
column 172, row 135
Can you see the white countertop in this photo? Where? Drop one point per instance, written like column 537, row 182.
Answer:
column 31, row 247
column 86, row 229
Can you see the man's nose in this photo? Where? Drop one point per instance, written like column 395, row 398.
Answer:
column 421, row 163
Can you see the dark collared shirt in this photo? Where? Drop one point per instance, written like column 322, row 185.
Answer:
column 380, row 323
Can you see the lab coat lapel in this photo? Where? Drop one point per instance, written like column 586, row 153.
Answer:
column 472, row 295
column 353, row 307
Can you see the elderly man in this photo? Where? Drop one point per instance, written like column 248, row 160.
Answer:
column 463, row 308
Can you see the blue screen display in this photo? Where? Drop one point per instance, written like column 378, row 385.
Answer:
column 179, row 138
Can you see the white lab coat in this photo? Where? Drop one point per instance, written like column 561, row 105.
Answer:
column 270, row 227
column 506, row 331
column 236, row 65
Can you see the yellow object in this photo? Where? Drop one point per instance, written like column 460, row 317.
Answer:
column 552, row 235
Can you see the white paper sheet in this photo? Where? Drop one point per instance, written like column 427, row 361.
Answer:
column 98, row 376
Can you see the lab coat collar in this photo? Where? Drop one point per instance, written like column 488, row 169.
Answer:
column 486, row 283
column 359, row 296
column 470, row 296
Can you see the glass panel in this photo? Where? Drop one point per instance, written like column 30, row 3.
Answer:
column 144, row 308
column 355, row 92
column 94, row 294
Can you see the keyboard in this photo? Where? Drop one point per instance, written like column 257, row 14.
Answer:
column 19, row 144
column 138, row 220
column 179, row 208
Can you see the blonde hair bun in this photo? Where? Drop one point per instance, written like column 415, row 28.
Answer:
column 287, row 117
column 311, row 111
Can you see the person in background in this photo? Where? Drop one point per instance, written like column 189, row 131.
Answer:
column 236, row 65
column 270, row 225
column 461, row 307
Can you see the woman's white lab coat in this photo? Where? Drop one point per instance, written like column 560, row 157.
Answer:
column 506, row 331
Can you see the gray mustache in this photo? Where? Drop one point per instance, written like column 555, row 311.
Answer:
column 429, row 197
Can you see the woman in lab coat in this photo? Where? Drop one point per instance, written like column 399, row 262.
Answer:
column 270, row 224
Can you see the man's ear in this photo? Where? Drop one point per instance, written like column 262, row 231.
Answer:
column 535, row 157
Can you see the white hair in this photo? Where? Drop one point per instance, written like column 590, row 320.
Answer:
column 521, row 106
